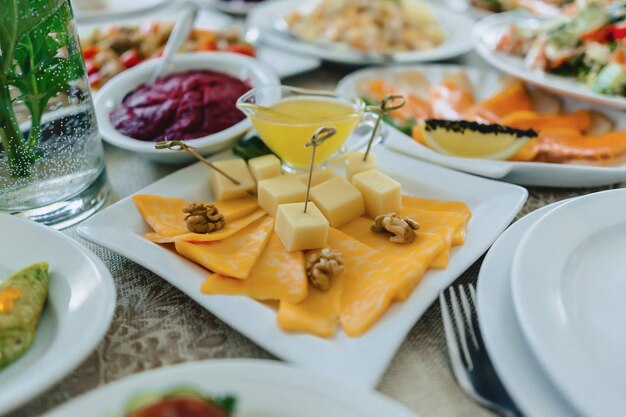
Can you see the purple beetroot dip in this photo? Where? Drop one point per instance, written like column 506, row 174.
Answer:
column 180, row 106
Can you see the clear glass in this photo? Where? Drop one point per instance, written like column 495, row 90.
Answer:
column 51, row 156
column 286, row 118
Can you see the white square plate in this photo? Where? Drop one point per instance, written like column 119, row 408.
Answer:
column 359, row 360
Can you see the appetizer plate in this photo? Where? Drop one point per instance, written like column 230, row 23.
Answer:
column 508, row 349
column 235, row 7
column 486, row 83
column 113, row 9
column 359, row 360
column 285, row 64
column 81, row 300
column 262, row 388
column 571, row 303
column 113, row 92
column 487, row 33
column 269, row 20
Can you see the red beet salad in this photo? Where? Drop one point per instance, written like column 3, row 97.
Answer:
column 180, row 106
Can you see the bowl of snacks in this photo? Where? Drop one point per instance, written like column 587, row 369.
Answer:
column 194, row 102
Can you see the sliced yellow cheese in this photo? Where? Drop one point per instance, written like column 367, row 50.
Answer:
column 424, row 250
column 277, row 275
column 443, row 223
column 229, row 229
column 317, row 314
column 371, row 281
column 165, row 214
column 234, row 256
column 438, row 205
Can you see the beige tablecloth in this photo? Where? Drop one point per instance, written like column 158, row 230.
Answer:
column 157, row 325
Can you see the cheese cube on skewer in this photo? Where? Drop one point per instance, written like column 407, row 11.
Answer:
column 299, row 230
column 223, row 188
column 264, row 167
column 355, row 163
column 339, row 200
column 381, row 194
column 280, row 190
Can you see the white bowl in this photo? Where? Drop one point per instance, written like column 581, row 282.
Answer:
column 114, row 91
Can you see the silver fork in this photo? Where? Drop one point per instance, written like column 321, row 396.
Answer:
column 470, row 362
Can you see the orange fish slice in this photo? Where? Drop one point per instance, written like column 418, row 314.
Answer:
column 493, row 109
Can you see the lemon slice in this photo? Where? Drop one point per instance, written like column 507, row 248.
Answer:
column 474, row 140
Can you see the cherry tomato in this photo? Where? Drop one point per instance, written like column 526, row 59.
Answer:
column 242, row 48
column 130, row 58
column 180, row 407
column 90, row 66
column 618, row 31
column 90, row 51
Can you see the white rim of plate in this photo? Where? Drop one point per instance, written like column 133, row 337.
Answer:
column 68, row 363
column 540, row 309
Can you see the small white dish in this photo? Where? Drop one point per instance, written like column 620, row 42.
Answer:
column 285, row 64
column 358, row 360
column 97, row 10
column 487, row 33
column 486, row 83
column 234, row 7
column 113, row 92
column 568, row 290
column 81, row 301
column 519, row 370
column 262, row 388
column 268, row 19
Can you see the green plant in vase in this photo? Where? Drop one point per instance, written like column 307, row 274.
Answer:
column 39, row 58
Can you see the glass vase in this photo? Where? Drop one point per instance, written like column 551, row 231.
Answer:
column 51, row 156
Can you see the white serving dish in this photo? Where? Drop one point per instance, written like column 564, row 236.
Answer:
column 113, row 9
column 81, row 301
column 487, row 33
column 363, row 360
column 268, row 19
column 486, row 83
column 113, row 92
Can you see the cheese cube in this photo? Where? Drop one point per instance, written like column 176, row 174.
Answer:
column 279, row 190
column 299, row 230
column 339, row 200
column 225, row 189
column 381, row 193
column 264, row 167
column 355, row 163
column 318, row 177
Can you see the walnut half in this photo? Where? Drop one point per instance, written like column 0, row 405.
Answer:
column 403, row 229
column 324, row 266
column 203, row 218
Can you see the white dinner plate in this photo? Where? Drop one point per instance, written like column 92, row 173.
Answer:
column 81, row 301
column 285, row 64
column 486, row 83
column 519, row 370
column 487, row 33
column 268, row 19
column 359, row 360
column 262, row 389
column 114, row 9
column 568, row 286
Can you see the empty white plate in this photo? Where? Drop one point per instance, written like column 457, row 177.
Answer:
column 360, row 360
column 568, row 286
column 519, row 370
column 81, row 300
column 262, row 389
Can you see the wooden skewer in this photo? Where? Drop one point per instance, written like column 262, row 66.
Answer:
column 317, row 139
column 179, row 145
column 386, row 105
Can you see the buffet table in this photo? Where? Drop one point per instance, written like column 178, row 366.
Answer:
column 156, row 325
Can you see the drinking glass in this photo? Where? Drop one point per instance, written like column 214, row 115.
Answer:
column 51, row 156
